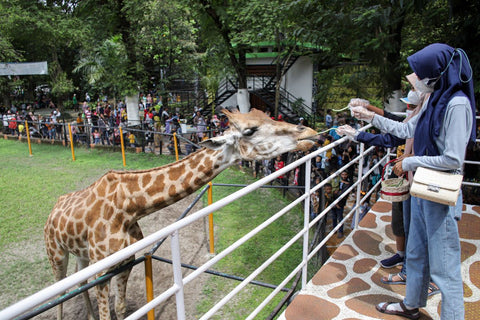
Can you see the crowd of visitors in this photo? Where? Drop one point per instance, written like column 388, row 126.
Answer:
column 99, row 123
column 47, row 126
column 325, row 164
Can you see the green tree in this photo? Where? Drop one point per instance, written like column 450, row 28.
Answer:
column 166, row 37
column 154, row 43
column 7, row 54
column 359, row 31
column 219, row 20
column 43, row 31
column 381, row 34
column 105, row 67
column 456, row 23
column 239, row 25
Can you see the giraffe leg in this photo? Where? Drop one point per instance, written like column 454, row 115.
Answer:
column 121, row 283
column 59, row 263
column 102, row 300
column 82, row 263
column 134, row 234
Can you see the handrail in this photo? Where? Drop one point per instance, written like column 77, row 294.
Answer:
column 172, row 230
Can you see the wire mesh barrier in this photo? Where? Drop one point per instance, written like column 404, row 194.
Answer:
column 299, row 272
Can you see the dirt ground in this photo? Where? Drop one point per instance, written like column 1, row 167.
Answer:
column 194, row 251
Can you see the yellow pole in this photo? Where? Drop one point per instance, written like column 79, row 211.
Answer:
column 123, row 147
column 28, row 138
column 210, row 219
column 71, row 141
column 149, row 284
column 175, row 144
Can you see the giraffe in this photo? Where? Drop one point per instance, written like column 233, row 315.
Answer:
column 101, row 219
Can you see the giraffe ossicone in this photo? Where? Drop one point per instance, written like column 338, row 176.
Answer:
column 101, row 219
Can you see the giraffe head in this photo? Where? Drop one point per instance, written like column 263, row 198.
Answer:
column 255, row 136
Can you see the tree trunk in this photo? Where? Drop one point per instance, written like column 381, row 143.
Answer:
column 124, row 27
column 6, row 100
column 392, row 72
column 239, row 64
column 243, row 97
column 278, row 74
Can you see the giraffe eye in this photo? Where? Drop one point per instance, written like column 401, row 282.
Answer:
column 250, row 131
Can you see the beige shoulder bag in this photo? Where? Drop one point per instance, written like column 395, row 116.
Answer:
column 436, row 186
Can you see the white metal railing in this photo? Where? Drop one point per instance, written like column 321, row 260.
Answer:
column 173, row 231
column 467, row 183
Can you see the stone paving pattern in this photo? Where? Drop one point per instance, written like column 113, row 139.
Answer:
column 348, row 286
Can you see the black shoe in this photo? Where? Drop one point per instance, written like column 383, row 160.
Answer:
column 393, row 261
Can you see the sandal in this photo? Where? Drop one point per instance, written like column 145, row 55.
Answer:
column 389, row 279
column 411, row 314
column 432, row 289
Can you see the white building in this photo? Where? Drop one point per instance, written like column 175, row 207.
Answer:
column 296, row 86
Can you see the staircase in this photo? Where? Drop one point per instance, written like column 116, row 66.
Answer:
column 288, row 64
column 226, row 89
column 262, row 83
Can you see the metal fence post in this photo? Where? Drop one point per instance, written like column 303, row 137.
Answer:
column 71, row 141
column 123, row 147
column 210, row 219
column 149, row 283
column 177, row 275
column 306, row 220
column 28, row 138
column 175, row 145
column 359, row 186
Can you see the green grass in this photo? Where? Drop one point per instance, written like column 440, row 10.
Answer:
column 236, row 220
column 31, row 185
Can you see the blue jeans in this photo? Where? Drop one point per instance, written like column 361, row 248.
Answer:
column 406, row 222
column 406, row 226
column 433, row 250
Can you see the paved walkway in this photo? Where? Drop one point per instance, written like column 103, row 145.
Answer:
column 348, row 286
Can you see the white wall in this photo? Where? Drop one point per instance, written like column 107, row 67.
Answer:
column 230, row 102
column 299, row 80
column 251, row 61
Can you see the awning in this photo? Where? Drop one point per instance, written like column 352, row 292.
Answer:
column 23, row 68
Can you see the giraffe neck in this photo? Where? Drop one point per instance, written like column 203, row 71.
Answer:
column 141, row 193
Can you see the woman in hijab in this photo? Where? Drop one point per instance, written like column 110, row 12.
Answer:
column 442, row 130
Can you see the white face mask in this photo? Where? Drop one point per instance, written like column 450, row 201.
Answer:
column 424, row 87
column 414, row 97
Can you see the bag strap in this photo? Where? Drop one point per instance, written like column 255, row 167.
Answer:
column 385, row 166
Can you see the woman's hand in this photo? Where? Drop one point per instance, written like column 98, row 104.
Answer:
column 357, row 102
column 397, row 168
column 348, row 131
column 362, row 113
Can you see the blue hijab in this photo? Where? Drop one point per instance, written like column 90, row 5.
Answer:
column 452, row 68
